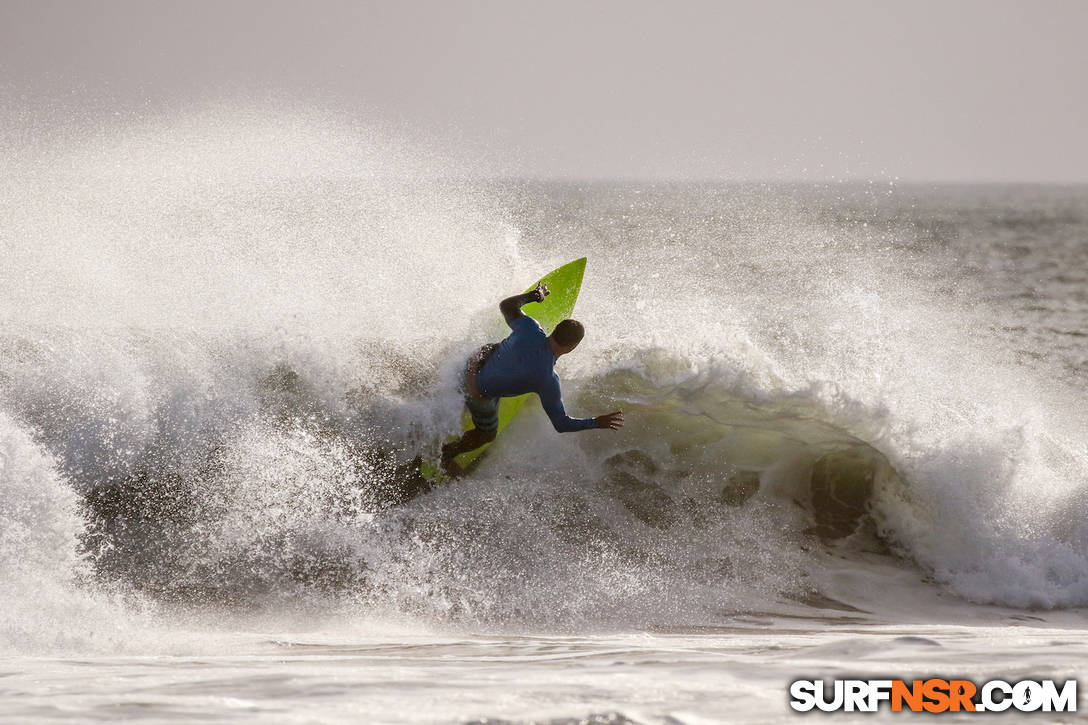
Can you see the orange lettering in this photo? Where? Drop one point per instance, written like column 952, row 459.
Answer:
column 936, row 691
column 961, row 692
column 912, row 695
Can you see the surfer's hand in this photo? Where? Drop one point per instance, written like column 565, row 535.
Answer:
column 611, row 421
column 540, row 292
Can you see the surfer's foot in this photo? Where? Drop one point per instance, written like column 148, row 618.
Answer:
column 453, row 468
column 449, row 450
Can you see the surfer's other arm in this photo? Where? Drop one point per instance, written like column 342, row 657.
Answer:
column 511, row 306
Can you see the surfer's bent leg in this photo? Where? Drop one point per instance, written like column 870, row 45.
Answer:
column 484, row 411
column 485, row 418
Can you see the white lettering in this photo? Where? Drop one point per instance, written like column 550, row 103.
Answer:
column 821, row 696
column 1027, row 696
column 1064, row 701
column 879, row 690
column 804, row 695
column 988, row 701
column 855, row 695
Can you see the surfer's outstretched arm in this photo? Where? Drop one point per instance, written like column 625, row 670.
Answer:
column 511, row 306
column 551, row 399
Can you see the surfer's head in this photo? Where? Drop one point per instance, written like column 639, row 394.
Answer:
column 567, row 335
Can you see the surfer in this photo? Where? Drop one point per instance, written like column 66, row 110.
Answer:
column 522, row 363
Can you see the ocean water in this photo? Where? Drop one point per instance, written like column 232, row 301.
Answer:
column 855, row 440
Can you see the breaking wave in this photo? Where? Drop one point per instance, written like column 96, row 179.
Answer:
column 215, row 374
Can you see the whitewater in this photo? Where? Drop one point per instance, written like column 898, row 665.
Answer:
column 855, row 440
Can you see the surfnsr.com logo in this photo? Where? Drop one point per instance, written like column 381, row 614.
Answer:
column 933, row 695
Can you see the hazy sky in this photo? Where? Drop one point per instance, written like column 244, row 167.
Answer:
column 943, row 90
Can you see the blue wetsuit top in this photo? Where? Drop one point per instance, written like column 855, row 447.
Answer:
column 523, row 363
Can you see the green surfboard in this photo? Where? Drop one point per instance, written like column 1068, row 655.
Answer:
column 564, row 284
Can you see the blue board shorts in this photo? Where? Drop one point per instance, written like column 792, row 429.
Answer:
column 485, row 413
